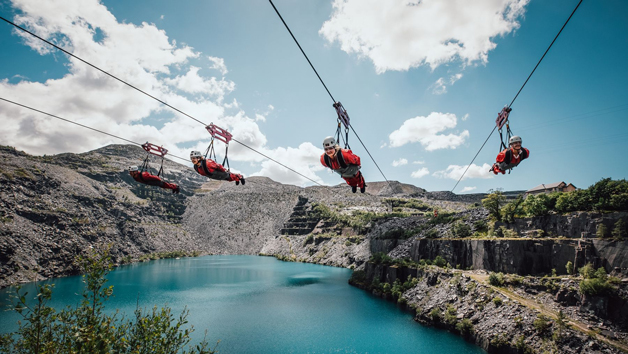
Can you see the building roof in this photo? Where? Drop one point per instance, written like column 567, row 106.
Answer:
column 542, row 187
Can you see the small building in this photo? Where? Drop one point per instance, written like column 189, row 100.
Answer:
column 552, row 187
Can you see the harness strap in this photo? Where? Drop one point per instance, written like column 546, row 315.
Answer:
column 341, row 160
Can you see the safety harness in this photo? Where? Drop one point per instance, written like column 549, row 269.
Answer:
column 222, row 135
column 343, row 119
column 341, row 160
column 152, row 149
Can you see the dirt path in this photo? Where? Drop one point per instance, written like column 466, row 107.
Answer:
column 578, row 325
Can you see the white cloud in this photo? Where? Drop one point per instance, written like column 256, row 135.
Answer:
column 440, row 86
column 218, row 64
column 425, row 130
column 397, row 36
column 454, row 172
column 400, row 162
column 465, row 117
column 161, row 17
column 468, row 189
column 146, row 57
column 420, row 173
column 418, row 162
column 305, row 159
column 192, row 82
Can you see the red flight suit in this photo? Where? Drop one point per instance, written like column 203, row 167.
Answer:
column 152, row 180
column 209, row 168
column 506, row 159
column 347, row 164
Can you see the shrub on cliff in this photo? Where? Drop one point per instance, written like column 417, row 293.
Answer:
column 542, row 324
column 539, row 205
column 496, row 279
column 465, row 327
column 619, row 231
column 597, row 284
column 493, row 203
column 461, row 229
column 512, row 210
column 87, row 329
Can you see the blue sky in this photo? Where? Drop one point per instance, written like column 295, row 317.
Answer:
column 422, row 84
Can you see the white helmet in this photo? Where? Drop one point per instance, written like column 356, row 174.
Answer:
column 514, row 139
column 195, row 153
column 329, row 142
column 133, row 168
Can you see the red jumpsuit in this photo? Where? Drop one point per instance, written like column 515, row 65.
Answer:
column 506, row 160
column 348, row 167
column 152, row 180
column 209, row 168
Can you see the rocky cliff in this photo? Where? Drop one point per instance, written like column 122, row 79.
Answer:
column 54, row 207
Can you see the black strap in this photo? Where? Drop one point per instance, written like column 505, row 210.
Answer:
column 508, row 156
column 204, row 165
column 341, row 160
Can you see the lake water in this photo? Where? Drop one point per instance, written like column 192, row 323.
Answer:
column 262, row 305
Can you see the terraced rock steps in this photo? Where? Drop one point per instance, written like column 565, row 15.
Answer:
column 301, row 221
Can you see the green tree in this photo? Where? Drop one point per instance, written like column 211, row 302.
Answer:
column 619, row 231
column 493, row 203
column 511, row 210
column 569, row 268
column 88, row 329
column 587, row 272
column 602, row 231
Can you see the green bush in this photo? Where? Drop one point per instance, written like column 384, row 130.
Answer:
column 497, row 301
column 88, row 329
column 596, row 283
column 450, row 315
column 465, row 327
column 602, row 231
column 381, row 258
column 480, row 226
column 496, row 279
column 440, row 262
column 569, row 268
column 435, row 314
column 542, row 324
column 587, row 272
column 619, row 231
column 461, row 230
column 541, row 204
column 512, row 210
column 493, row 203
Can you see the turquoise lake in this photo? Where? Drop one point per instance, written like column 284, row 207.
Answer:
column 262, row 305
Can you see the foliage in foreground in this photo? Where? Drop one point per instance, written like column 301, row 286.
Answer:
column 87, row 329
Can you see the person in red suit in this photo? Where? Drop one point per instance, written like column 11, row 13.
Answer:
column 209, row 168
column 151, row 180
column 510, row 157
column 344, row 162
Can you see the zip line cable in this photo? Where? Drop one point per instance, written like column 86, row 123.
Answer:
column 297, row 42
column 325, row 86
column 80, row 125
column 99, row 69
column 524, row 84
column 144, row 92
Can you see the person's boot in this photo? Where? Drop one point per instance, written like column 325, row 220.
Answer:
column 176, row 190
column 237, row 182
column 354, row 189
column 363, row 189
column 242, row 180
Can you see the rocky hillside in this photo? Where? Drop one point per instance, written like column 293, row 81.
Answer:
column 55, row 207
